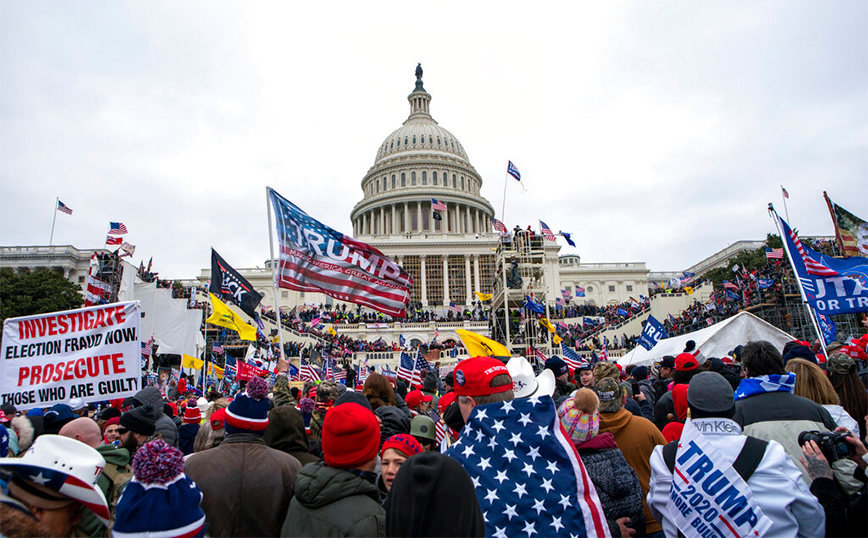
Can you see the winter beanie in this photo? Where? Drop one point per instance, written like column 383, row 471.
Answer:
column 580, row 416
column 192, row 415
column 159, row 486
column 403, row 443
column 248, row 413
column 350, row 436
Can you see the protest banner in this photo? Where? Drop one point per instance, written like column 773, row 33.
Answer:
column 91, row 353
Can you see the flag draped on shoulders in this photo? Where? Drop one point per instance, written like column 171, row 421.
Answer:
column 223, row 316
column 316, row 258
column 528, row 476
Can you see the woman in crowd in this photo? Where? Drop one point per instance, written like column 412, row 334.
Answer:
column 812, row 383
column 851, row 391
column 378, row 391
column 395, row 451
column 615, row 481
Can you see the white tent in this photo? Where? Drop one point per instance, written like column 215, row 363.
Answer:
column 714, row 341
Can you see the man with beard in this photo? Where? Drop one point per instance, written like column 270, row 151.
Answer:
column 136, row 428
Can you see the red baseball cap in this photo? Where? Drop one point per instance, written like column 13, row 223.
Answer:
column 853, row 351
column 415, row 397
column 445, row 400
column 473, row 376
column 686, row 362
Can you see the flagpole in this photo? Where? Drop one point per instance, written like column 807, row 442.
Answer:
column 502, row 208
column 274, row 280
column 784, row 198
column 53, row 220
column 798, row 280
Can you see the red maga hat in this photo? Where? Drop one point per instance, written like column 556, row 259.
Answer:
column 473, row 376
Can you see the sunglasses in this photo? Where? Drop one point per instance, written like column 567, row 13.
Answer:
column 121, row 430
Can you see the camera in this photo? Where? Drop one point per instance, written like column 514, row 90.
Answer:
column 833, row 445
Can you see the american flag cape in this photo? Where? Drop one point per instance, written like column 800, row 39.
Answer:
column 316, row 258
column 528, row 476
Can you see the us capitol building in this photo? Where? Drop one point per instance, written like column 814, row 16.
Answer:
column 449, row 258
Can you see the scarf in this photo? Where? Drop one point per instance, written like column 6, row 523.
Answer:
column 765, row 383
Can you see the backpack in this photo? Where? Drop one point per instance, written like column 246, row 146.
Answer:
column 118, row 478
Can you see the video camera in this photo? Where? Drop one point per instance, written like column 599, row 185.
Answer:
column 833, row 445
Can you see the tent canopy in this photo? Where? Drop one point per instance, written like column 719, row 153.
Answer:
column 714, row 341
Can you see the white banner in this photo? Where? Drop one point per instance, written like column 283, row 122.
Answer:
column 90, row 353
column 708, row 496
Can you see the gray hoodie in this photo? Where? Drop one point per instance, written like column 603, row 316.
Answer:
column 165, row 427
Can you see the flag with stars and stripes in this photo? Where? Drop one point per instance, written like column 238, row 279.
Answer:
column 307, row 372
column 546, row 231
column 528, row 476
column 499, row 226
column 316, row 258
column 406, row 367
column 573, row 359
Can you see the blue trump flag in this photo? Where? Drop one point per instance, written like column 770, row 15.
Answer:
column 828, row 328
column 765, row 283
column 831, row 286
column 534, row 306
column 652, row 333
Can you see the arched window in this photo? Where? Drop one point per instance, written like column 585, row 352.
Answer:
column 393, row 181
column 434, row 177
column 384, row 184
column 462, row 182
column 403, row 179
column 405, row 141
column 413, row 178
column 424, row 178
column 414, row 139
column 454, row 182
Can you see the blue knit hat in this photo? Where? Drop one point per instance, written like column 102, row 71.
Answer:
column 159, row 487
column 248, row 412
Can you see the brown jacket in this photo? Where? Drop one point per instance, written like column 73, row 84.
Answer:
column 246, row 486
column 636, row 437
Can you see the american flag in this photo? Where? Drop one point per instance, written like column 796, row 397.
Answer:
column 109, row 240
column 604, row 353
column 217, row 348
column 785, row 193
column 512, row 170
column 147, row 347
column 63, row 208
column 812, row 266
column 117, row 228
column 307, row 372
column 327, row 372
column 406, row 368
column 560, row 302
column 774, row 253
column 729, row 285
column 97, row 290
column 351, row 270
column 573, row 359
column 499, row 226
column 439, row 431
column 341, row 375
column 546, row 231
column 455, row 307
column 526, row 469
column 437, row 206
column 538, row 355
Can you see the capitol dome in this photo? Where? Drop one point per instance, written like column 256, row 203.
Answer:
column 416, row 163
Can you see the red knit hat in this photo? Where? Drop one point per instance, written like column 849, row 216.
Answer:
column 192, row 415
column 350, row 436
column 445, row 400
column 403, row 443
column 473, row 377
column 686, row 362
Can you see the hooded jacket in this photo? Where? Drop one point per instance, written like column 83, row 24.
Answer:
column 165, row 427
column 286, row 433
column 333, row 502
column 636, row 437
column 615, row 481
column 429, row 486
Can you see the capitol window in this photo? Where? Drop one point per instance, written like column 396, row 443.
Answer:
column 454, row 182
column 438, row 140
column 393, row 181
column 392, row 144
column 629, row 288
column 399, row 142
column 403, row 179
column 413, row 178
column 611, row 289
column 430, row 139
column 462, row 182
column 434, row 177
column 424, row 178
column 414, row 139
column 384, row 184
column 405, row 140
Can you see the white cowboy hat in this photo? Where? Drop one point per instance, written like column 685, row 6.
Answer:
column 525, row 384
column 66, row 466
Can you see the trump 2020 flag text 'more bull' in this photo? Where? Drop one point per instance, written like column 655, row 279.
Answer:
column 528, row 476
column 316, row 258
column 230, row 286
column 652, row 333
column 832, row 286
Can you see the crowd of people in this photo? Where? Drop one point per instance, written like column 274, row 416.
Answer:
column 474, row 452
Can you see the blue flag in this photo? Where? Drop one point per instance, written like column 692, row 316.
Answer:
column 534, row 306
column 732, row 295
column 828, row 328
column 765, row 283
column 589, row 322
column 567, row 237
column 652, row 333
column 621, row 312
column 832, row 286
column 401, row 340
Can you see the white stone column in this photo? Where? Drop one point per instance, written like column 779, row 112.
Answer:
column 424, row 281
column 476, row 272
column 446, row 298
column 467, row 280
column 394, row 219
column 407, row 227
column 419, row 217
column 382, row 229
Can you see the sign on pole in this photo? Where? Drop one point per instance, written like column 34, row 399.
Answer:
column 91, row 353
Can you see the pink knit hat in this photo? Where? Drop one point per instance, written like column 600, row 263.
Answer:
column 580, row 415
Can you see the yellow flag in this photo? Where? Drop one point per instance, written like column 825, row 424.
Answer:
column 688, row 289
column 483, row 296
column 547, row 324
column 191, row 362
column 213, row 369
column 480, row 346
column 556, row 340
column 332, row 331
column 224, row 317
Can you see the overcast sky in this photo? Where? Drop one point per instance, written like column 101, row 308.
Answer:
column 653, row 131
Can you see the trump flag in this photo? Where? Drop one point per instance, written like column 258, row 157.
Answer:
column 316, row 258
